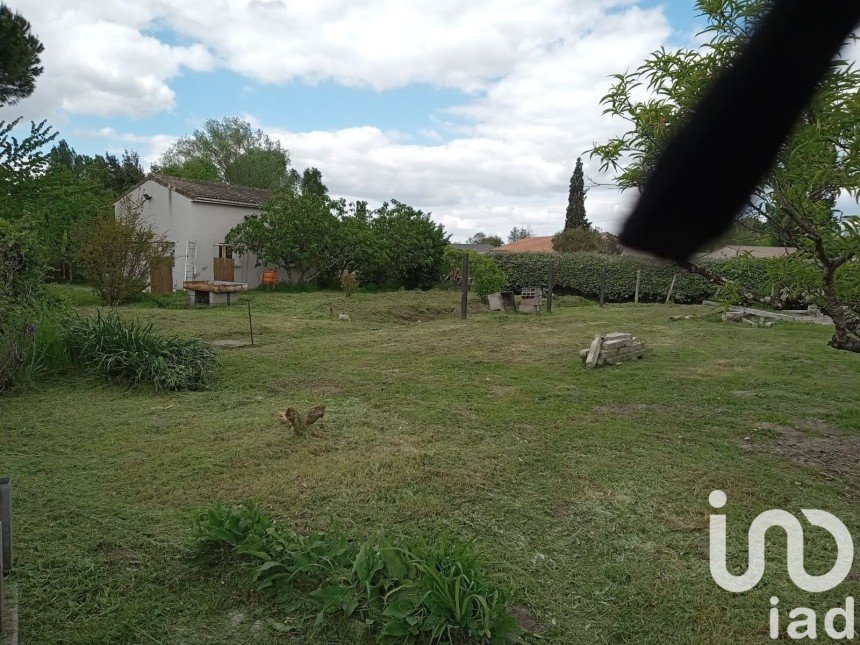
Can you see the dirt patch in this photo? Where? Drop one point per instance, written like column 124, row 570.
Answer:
column 816, row 445
column 525, row 619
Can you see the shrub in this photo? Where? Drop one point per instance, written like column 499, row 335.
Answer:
column 135, row 353
column 348, row 282
column 581, row 274
column 119, row 253
column 408, row 590
column 584, row 239
column 486, row 275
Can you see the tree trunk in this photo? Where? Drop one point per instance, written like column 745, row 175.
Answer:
column 846, row 322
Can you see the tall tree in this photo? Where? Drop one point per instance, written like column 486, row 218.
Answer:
column 222, row 144
column 19, row 57
column 258, row 168
column 519, row 233
column 820, row 161
column 575, row 215
column 481, row 238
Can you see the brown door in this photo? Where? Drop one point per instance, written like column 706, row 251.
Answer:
column 161, row 278
column 223, row 269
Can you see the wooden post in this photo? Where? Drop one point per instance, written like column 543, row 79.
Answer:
column 464, row 287
column 671, row 288
column 603, row 287
column 638, row 277
column 6, row 520
column 2, row 608
column 550, row 284
column 250, row 324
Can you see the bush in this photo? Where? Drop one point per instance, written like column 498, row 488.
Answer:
column 486, row 275
column 119, row 253
column 135, row 353
column 408, row 590
column 581, row 274
column 584, row 239
column 348, row 282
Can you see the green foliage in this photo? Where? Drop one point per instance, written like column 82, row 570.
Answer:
column 299, row 231
column 576, row 239
column 411, row 247
column 118, row 253
column 19, row 57
column 519, row 233
column 135, row 353
column 195, row 169
column 581, row 274
column 113, row 174
column 410, row 591
column 574, row 217
column 22, row 264
column 486, row 275
column 21, row 160
column 817, row 164
column 231, row 150
column 481, row 238
column 258, row 167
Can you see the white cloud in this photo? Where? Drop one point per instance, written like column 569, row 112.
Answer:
column 534, row 72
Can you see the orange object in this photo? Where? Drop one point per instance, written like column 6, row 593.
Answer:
column 270, row 278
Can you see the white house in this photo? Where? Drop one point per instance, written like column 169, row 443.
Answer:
column 196, row 216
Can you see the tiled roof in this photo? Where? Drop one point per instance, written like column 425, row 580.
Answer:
column 539, row 244
column 214, row 191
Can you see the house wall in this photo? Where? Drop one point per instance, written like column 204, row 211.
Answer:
column 181, row 220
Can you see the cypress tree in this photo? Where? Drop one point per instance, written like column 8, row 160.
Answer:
column 575, row 215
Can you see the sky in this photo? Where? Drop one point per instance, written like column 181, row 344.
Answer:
column 475, row 111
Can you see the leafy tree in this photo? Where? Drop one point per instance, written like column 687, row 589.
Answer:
column 259, row 168
column 820, row 161
column 296, row 230
column 481, row 238
column 118, row 253
column 195, row 168
column 584, row 239
column 114, row 174
column 519, row 233
column 575, row 215
column 412, row 244
column 22, row 159
column 19, row 57
column 222, row 145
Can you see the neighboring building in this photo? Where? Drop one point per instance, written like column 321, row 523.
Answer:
column 735, row 250
column 537, row 244
column 477, row 248
column 196, row 216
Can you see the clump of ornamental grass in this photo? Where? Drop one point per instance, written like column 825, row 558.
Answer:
column 135, row 353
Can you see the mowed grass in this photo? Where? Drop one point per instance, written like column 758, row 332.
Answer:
column 586, row 489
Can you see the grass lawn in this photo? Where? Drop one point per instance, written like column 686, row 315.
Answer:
column 586, row 489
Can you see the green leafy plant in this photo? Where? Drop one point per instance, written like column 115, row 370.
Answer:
column 487, row 276
column 410, row 591
column 137, row 354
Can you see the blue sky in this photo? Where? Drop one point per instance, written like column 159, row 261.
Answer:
column 474, row 111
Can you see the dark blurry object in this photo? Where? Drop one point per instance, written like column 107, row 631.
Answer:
column 737, row 129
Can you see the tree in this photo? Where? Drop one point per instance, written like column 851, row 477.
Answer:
column 820, row 161
column 258, row 168
column 584, row 239
column 19, row 57
column 118, row 253
column 575, row 215
column 22, row 159
column 480, row 238
column 195, row 168
column 519, row 233
column 413, row 246
column 222, row 145
column 300, row 231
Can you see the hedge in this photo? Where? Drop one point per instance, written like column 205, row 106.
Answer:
column 581, row 273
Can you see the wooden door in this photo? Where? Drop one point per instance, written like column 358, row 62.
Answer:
column 223, row 269
column 161, row 278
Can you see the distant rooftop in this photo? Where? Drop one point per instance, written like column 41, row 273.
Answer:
column 537, row 244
